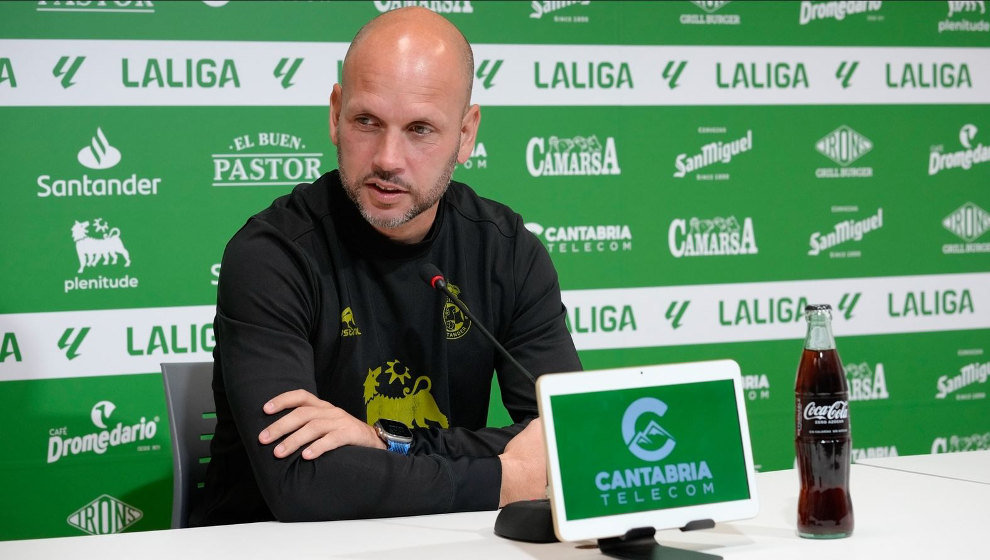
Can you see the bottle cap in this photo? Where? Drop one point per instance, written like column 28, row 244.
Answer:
column 818, row 307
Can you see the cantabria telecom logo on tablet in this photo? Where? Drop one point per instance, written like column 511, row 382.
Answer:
column 651, row 443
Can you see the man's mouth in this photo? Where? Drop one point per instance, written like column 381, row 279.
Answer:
column 386, row 188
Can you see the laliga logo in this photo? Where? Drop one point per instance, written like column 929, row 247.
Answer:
column 99, row 154
column 644, row 443
column 101, row 410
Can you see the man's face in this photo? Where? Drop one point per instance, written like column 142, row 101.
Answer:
column 399, row 128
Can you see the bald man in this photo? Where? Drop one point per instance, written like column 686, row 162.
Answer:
column 345, row 386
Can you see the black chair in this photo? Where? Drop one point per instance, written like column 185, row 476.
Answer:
column 192, row 421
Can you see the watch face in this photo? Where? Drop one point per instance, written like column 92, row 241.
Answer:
column 396, row 429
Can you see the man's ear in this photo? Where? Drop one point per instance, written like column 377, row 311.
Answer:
column 469, row 133
column 336, row 98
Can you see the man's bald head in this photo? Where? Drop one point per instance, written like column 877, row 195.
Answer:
column 418, row 30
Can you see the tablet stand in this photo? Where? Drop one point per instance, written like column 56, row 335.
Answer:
column 640, row 544
column 531, row 521
column 527, row 520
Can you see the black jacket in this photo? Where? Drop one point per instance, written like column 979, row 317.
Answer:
column 312, row 297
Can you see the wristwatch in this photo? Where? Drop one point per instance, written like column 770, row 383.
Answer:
column 396, row 435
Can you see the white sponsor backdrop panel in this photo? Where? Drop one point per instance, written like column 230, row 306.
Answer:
column 742, row 312
column 138, row 340
column 179, row 73
column 119, row 341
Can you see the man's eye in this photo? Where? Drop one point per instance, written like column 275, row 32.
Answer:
column 364, row 121
column 420, row 129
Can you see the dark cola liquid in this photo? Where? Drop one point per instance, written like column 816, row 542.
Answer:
column 823, row 445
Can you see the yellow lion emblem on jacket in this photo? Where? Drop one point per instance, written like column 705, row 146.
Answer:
column 414, row 408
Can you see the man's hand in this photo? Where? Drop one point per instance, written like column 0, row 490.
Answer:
column 524, row 466
column 315, row 422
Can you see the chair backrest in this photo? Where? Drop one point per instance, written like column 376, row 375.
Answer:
column 192, row 421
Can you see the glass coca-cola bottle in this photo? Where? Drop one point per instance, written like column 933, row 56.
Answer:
column 822, row 437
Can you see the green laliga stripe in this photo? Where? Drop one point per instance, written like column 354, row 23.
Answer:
column 596, row 22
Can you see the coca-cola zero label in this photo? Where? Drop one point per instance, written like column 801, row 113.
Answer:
column 822, row 416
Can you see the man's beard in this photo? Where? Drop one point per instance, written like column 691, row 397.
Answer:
column 420, row 203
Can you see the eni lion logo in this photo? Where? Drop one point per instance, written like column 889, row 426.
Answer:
column 347, row 325
column 91, row 249
column 455, row 323
column 414, row 408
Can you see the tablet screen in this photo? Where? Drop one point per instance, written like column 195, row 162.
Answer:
column 655, row 446
column 649, row 448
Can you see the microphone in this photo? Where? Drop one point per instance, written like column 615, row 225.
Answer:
column 528, row 520
column 432, row 276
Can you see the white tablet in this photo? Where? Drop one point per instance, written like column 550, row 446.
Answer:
column 655, row 446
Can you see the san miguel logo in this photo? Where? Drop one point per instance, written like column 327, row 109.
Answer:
column 810, row 11
column 711, row 154
column 105, row 515
column 968, row 222
column 843, row 232
column 98, row 155
column 266, row 159
column 973, row 153
column 101, row 248
column 541, row 9
column 704, row 237
column 400, row 397
column 968, row 377
column 577, row 155
column 455, row 323
column 844, row 146
column 106, row 436
column 583, row 238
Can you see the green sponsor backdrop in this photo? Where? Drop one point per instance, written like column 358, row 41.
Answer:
column 920, row 392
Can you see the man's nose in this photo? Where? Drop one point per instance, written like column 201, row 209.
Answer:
column 389, row 154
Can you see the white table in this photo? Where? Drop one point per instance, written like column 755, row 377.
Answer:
column 898, row 515
column 973, row 466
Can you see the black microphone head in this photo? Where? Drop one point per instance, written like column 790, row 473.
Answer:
column 431, row 275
